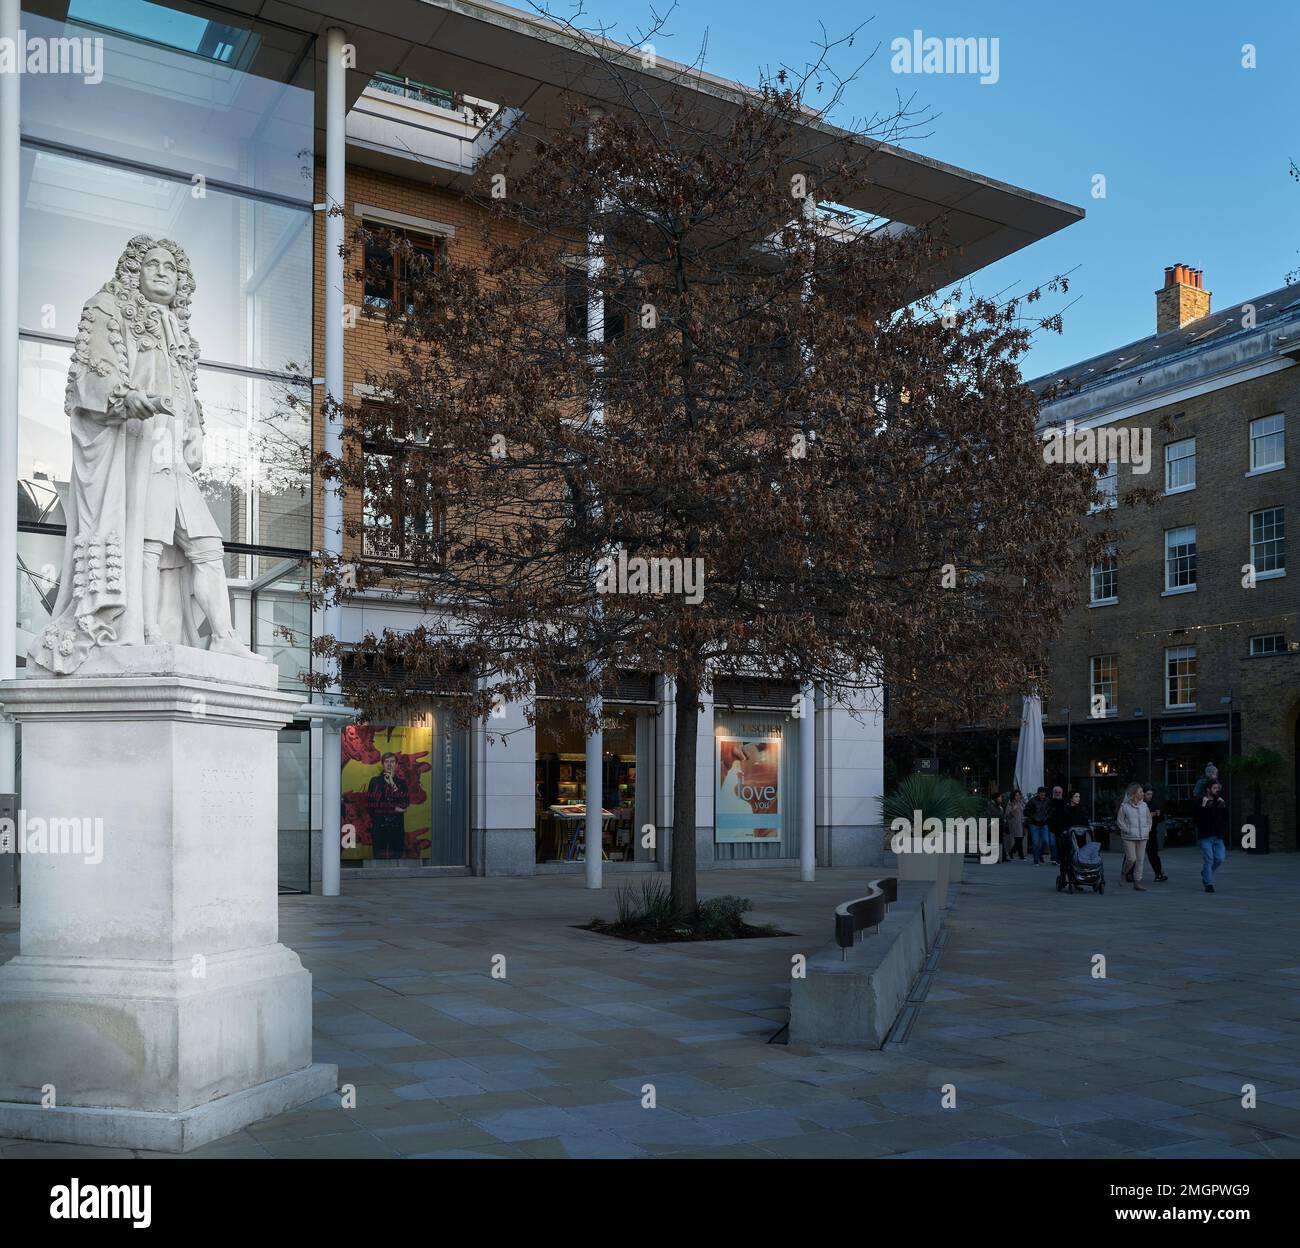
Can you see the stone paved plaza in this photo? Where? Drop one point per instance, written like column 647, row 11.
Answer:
column 1201, row 996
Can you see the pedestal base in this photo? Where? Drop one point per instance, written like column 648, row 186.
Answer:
column 165, row 1132
column 151, row 1004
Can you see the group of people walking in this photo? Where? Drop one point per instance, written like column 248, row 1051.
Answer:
column 1047, row 821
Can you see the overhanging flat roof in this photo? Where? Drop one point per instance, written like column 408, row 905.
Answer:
column 520, row 60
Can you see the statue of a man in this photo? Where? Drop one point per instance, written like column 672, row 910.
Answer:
column 142, row 550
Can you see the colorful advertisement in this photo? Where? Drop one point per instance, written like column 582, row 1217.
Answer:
column 386, row 801
column 747, row 806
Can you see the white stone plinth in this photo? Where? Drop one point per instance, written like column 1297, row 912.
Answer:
column 152, row 982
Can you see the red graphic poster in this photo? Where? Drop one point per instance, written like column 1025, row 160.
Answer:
column 386, row 800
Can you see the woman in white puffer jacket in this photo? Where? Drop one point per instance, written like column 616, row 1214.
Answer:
column 1134, row 819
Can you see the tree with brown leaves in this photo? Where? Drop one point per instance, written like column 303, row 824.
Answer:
column 677, row 350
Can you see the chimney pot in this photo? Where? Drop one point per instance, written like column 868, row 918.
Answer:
column 1182, row 299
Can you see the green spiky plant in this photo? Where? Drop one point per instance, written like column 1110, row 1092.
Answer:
column 938, row 797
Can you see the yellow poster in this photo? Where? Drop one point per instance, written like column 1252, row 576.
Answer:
column 386, row 799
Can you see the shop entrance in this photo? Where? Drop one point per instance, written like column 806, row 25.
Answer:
column 627, row 785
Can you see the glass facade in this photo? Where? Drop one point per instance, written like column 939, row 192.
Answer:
column 202, row 132
column 192, row 129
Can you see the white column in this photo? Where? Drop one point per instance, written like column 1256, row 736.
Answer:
column 10, row 21
column 595, row 840
column 808, row 785
column 332, row 525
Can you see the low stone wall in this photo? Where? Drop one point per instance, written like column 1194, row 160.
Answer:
column 854, row 1001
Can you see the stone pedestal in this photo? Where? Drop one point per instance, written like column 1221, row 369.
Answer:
column 151, row 1004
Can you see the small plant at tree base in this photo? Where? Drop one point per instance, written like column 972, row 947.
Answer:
column 721, row 918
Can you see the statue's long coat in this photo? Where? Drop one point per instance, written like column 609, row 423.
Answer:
column 121, row 346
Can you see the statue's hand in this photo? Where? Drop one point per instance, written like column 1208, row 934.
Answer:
column 138, row 405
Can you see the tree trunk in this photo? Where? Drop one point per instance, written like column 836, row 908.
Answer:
column 684, row 780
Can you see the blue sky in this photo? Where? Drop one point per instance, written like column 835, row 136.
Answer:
column 1150, row 93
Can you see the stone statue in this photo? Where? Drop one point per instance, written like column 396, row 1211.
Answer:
column 142, row 551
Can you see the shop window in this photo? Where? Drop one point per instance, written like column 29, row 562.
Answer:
column 627, row 788
column 405, row 792
column 754, row 775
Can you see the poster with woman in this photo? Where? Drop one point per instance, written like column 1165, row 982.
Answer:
column 386, row 801
column 747, row 805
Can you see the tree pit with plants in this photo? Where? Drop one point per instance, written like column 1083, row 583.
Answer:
column 646, row 915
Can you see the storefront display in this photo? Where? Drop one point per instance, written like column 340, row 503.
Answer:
column 404, row 792
column 755, row 765
column 561, row 786
column 749, row 804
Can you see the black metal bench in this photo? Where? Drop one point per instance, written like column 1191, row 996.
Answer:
column 852, row 916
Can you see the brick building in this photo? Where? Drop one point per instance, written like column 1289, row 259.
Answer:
column 1187, row 648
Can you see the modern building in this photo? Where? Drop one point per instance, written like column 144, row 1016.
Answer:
column 222, row 128
column 1187, row 650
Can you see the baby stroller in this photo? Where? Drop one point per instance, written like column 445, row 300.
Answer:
column 1081, row 865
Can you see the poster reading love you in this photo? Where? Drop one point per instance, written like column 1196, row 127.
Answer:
column 748, row 802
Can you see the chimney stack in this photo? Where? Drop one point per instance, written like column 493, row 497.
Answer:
column 1182, row 298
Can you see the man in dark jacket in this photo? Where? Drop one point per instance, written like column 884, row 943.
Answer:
column 1059, row 820
column 1212, row 832
column 1153, row 844
column 1038, row 812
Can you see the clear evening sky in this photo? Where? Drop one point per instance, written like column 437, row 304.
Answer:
column 1150, row 93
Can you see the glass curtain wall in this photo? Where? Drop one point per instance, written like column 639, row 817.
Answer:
column 199, row 130
column 202, row 132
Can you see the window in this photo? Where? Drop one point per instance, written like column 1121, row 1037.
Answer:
column 1104, row 685
column 1269, row 643
column 1107, row 486
column 1267, row 443
column 410, row 89
column 387, row 268
column 397, row 524
column 1180, row 677
column 1105, row 579
column 1180, row 559
column 1180, row 466
column 575, row 307
column 1268, row 542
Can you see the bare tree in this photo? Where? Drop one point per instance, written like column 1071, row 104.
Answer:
column 852, row 469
